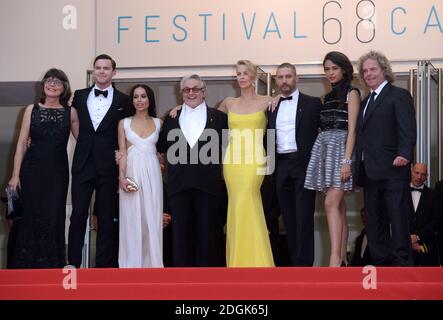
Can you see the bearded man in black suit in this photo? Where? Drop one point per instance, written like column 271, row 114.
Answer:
column 296, row 121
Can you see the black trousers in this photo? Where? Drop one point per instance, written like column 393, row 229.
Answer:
column 197, row 231
column 106, row 206
column 387, row 225
column 297, row 205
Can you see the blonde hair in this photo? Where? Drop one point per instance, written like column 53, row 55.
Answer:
column 382, row 61
column 251, row 68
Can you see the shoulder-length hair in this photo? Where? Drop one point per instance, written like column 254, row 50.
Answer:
column 60, row 75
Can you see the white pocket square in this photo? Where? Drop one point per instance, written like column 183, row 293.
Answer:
column 119, row 109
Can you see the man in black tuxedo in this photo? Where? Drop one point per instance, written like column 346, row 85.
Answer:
column 296, row 120
column 386, row 135
column 194, row 177
column 424, row 212
column 99, row 110
column 362, row 255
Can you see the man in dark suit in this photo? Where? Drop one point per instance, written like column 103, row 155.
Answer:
column 192, row 143
column 386, row 136
column 296, row 120
column 424, row 212
column 362, row 255
column 99, row 110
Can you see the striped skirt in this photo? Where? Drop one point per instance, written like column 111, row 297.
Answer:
column 324, row 169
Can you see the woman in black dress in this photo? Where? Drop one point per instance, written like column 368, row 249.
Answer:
column 41, row 175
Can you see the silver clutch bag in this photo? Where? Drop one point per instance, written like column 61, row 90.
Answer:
column 131, row 184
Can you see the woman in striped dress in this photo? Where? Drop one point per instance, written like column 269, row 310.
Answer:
column 329, row 168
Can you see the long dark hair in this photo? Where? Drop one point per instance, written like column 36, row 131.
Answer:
column 345, row 64
column 151, row 98
column 60, row 75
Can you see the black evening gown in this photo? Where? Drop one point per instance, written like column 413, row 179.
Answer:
column 44, row 178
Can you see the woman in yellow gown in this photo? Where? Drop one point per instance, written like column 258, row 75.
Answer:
column 247, row 237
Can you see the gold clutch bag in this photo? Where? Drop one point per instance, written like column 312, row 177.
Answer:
column 131, row 184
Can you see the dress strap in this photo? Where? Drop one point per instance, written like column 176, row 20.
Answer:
column 157, row 123
column 127, row 123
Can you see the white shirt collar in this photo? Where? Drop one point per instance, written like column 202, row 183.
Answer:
column 294, row 94
column 200, row 108
column 420, row 187
column 107, row 88
column 379, row 88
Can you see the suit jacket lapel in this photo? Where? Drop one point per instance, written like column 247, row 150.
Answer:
column 377, row 102
column 421, row 203
column 84, row 103
column 299, row 112
column 211, row 118
column 209, row 122
column 176, row 125
column 272, row 117
column 177, row 120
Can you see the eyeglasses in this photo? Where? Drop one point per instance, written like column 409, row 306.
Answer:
column 195, row 90
column 54, row 82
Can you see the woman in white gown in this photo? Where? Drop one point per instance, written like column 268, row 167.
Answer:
column 141, row 208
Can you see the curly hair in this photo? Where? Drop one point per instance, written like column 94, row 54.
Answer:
column 382, row 61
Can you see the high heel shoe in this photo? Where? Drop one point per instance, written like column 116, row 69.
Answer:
column 343, row 263
column 338, row 264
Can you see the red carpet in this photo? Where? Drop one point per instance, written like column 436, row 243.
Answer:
column 224, row 284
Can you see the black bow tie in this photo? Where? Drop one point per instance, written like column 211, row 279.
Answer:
column 285, row 98
column 99, row 92
column 416, row 189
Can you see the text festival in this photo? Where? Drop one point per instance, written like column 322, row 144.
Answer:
column 253, row 26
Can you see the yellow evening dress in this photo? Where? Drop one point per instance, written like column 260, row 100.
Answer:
column 247, row 237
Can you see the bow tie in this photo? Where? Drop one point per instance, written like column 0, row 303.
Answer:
column 416, row 189
column 99, row 92
column 285, row 98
